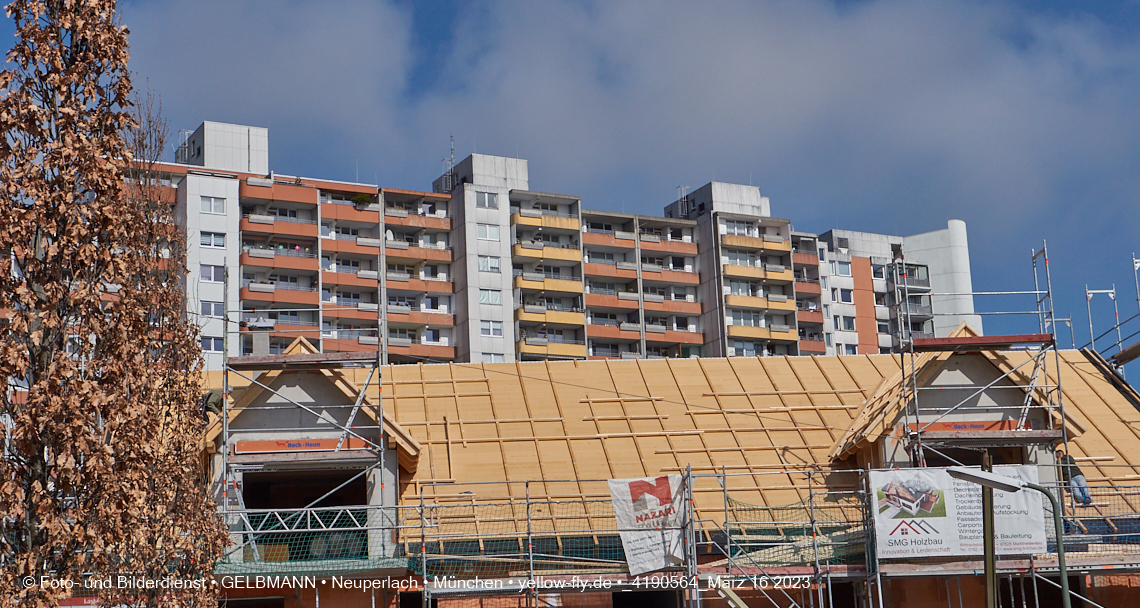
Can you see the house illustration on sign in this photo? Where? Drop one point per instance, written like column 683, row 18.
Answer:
column 911, row 495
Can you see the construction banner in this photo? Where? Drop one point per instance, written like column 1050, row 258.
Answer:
column 924, row 512
column 649, row 513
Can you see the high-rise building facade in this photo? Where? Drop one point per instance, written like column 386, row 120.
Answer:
column 484, row 268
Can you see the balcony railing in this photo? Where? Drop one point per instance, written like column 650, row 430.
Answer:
column 281, row 218
column 282, row 251
column 280, row 285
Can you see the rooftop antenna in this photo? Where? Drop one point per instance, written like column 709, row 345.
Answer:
column 449, row 168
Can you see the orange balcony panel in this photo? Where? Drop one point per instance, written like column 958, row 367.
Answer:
column 290, row 331
column 806, row 259
column 281, row 296
column 810, row 316
column 334, row 211
column 611, row 332
column 351, row 313
column 279, row 192
column 340, row 246
column 679, row 337
column 429, row 253
column 812, row 347
column 306, row 231
column 608, row 270
column 679, row 277
column 346, row 345
column 423, row 351
column 667, row 246
column 421, row 285
column 678, row 306
column 807, row 288
column 347, row 278
column 596, row 299
column 606, row 240
column 429, row 222
column 285, row 262
column 428, row 318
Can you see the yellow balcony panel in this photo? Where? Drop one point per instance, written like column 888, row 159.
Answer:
column 552, row 349
column 789, row 304
column 739, row 240
column 743, row 272
column 517, row 218
column 786, row 336
column 527, row 281
column 784, row 277
column 747, row 301
column 782, row 246
column 564, row 223
column 548, row 253
column 522, row 283
column 565, row 317
column 551, row 317
column 751, row 333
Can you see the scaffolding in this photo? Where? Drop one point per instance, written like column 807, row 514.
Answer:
column 918, row 349
column 330, row 537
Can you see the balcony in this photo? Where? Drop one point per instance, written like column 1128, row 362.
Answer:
column 666, row 245
column 812, row 346
column 765, row 242
column 420, row 350
column 592, row 269
column 675, row 336
column 263, row 189
column 285, row 259
column 774, row 332
column 541, row 282
column 600, row 299
column 609, row 329
column 404, row 281
column 414, row 315
column 814, row 317
column 780, row 302
column 549, row 316
column 279, row 293
column 354, row 279
column 807, row 287
column 280, row 226
column 343, row 243
column 742, row 301
column 545, row 219
column 546, row 347
column 609, row 239
column 916, row 310
column 538, row 250
column 674, row 306
column 805, row 259
column 350, row 213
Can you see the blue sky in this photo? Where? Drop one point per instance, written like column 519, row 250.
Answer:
column 882, row 115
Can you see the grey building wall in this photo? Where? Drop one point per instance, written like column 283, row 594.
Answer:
column 947, row 254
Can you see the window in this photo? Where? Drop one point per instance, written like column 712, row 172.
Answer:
column 431, row 335
column 402, row 332
column 846, row 296
column 880, row 299
column 878, row 272
column 213, row 309
column 741, row 228
column 215, row 274
column 490, row 296
column 281, row 212
column 488, row 232
column 346, row 298
column 848, row 323
column 348, row 231
column 851, row 349
column 491, row 328
column 679, row 293
column 213, row 204
column 492, row 358
column 604, row 288
column 884, row 327
column 213, row 239
column 600, row 257
column 486, row 200
column 600, row 227
column 748, row 318
column 213, row 345
column 835, row 322
column 681, row 323
column 822, row 253
column 488, row 263
column 740, row 258
column 844, row 269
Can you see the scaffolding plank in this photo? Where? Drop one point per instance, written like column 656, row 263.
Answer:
column 961, row 344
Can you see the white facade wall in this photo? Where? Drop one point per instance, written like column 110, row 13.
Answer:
column 947, row 255
column 190, row 194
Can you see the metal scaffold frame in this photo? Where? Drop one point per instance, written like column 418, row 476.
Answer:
column 1042, row 385
column 229, row 493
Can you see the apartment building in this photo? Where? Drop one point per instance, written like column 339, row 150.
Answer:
column 879, row 284
column 747, row 292
column 486, row 269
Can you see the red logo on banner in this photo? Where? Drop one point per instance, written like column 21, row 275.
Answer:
column 659, row 489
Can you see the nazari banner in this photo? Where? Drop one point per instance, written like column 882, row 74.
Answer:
column 649, row 513
column 924, row 512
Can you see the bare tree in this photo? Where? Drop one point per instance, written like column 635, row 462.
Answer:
column 99, row 474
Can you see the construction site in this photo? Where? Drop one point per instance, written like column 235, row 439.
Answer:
column 345, row 482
